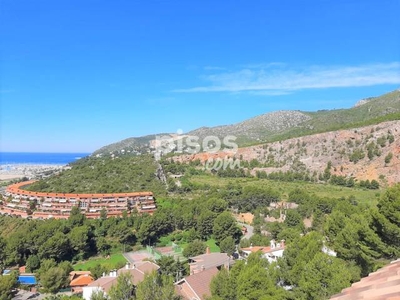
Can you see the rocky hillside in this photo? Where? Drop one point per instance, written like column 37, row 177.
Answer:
column 370, row 152
column 256, row 128
column 280, row 125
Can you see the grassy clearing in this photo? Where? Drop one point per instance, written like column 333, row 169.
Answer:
column 322, row 190
column 115, row 260
column 213, row 246
column 167, row 241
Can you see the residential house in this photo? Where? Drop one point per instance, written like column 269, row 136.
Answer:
column 209, row 260
column 137, row 271
column 79, row 279
column 196, row 286
column 271, row 253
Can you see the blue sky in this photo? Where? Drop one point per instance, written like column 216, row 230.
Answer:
column 76, row 75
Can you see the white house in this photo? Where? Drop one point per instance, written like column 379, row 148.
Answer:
column 138, row 271
column 271, row 253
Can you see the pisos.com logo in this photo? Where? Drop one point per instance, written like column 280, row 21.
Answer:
column 180, row 143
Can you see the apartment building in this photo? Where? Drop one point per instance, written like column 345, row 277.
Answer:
column 20, row 202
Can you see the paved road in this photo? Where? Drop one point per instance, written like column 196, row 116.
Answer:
column 250, row 230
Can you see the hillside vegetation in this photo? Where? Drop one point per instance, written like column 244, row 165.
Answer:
column 365, row 153
column 127, row 173
column 281, row 125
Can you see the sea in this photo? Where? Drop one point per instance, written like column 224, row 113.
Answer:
column 35, row 158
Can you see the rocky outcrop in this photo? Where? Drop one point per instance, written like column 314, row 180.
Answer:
column 362, row 153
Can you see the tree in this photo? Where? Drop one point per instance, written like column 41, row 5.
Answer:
column 374, row 185
column 288, row 234
column 254, row 280
column 97, row 271
column 194, row 248
column 228, row 245
column 2, row 252
column 299, row 196
column 293, row 218
column 57, row 247
column 76, row 218
column 223, row 286
column 124, row 289
column 46, row 265
column 7, row 285
column 205, row 224
column 224, row 226
column 255, row 197
column 255, row 283
column 66, row 266
column 389, row 205
column 98, row 295
column 33, row 263
column 324, row 276
column 156, row 286
column 53, row 280
column 298, row 254
column 169, row 266
column 358, row 242
column 79, row 241
column 103, row 246
column 386, row 220
column 217, row 205
column 103, row 214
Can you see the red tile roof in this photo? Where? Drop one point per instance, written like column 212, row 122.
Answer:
column 81, row 280
column 382, row 284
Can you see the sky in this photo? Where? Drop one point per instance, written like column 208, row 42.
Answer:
column 79, row 74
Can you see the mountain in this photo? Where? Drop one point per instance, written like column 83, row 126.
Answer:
column 280, row 125
column 365, row 153
column 134, row 145
column 257, row 128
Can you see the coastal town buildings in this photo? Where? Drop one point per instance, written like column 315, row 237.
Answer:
column 42, row 205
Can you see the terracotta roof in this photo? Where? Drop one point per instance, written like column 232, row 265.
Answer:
column 81, row 280
column 198, row 283
column 382, row 284
column 76, row 274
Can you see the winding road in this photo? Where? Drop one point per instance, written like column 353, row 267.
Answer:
column 250, row 230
